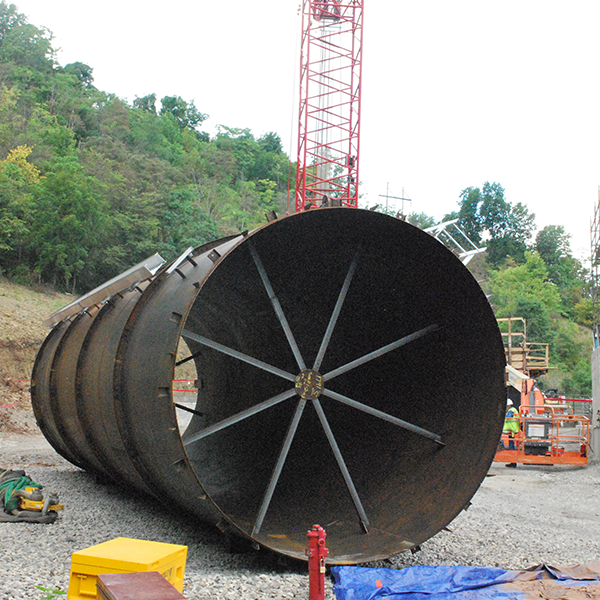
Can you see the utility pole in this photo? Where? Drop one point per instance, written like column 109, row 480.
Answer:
column 595, row 276
column 387, row 196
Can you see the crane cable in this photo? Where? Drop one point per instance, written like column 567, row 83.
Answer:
column 294, row 104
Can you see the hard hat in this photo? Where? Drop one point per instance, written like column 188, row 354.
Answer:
column 509, row 402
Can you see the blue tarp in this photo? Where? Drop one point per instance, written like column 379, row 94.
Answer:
column 466, row 583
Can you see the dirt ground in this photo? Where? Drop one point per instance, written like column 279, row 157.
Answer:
column 22, row 312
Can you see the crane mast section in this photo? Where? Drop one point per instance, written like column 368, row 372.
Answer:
column 330, row 101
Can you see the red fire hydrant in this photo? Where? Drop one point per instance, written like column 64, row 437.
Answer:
column 317, row 553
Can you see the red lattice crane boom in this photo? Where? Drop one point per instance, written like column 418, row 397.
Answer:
column 330, row 94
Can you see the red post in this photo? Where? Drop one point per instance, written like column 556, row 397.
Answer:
column 317, row 553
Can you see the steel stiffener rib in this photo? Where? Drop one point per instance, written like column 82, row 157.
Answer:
column 278, row 309
column 362, row 515
column 239, row 417
column 188, row 409
column 377, row 353
column 187, row 359
column 336, row 312
column 236, row 354
column 287, row 444
column 382, row 415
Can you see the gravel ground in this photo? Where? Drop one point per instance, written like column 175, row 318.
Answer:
column 518, row 518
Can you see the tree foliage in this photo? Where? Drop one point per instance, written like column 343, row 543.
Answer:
column 538, row 280
column 421, row 220
column 82, row 71
column 528, row 291
column 487, row 217
column 90, row 185
column 566, row 272
column 187, row 116
column 524, row 291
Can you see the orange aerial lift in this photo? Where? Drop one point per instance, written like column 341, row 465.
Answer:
column 549, row 432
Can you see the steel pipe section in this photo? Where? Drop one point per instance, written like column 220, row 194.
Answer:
column 40, row 394
column 94, row 400
column 350, row 373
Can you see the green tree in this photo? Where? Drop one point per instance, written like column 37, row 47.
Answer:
column 22, row 43
column 183, row 223
column 26, row 57
column 147, row 103
column 469, row 217
column 494, row 209
column 538, row 317
column 9, row 19
column 485, row 213
column 12, row 123
column 270, row 162
column 571, row 353
column 270, row 142
column 524, row 291
column 554, row 246
column 421, row 220
column 583, row 312
column 18, row 181
column 566, row 272
column 242, row 145
column 186, row 115
column 144, row 182
column 578, row 382
column 552, row 243
column 48, row 137
column 68, row 221
column 82, row 71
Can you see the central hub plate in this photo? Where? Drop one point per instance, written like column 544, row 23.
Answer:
column 309, row 384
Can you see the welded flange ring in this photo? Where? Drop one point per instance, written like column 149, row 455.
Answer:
column 349, row 372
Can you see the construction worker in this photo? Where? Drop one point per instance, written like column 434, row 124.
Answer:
column 511, row 426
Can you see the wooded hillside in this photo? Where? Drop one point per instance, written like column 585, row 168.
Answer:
column 532, row 275
column 90, row 185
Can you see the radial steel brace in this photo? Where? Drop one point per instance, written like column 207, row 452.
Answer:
column 349, row 372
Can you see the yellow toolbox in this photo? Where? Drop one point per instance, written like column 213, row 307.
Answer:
column 124, row 555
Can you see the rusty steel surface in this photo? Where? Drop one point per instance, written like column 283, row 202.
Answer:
column 62, row 391
column 144, row 368
column 94, row 388
column 40, row 394
column 350, row 373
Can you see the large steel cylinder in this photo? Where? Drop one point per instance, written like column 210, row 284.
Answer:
column 349, row 373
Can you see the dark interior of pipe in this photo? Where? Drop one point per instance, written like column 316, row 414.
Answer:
column 449, row 381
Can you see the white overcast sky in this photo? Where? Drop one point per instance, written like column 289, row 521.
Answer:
column 455, row 93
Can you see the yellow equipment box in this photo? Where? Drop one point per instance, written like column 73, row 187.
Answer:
column 124, row 555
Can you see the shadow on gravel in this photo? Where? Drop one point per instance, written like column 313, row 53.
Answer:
column 120, row 512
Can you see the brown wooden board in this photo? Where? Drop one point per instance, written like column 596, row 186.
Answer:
column 150, row 585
